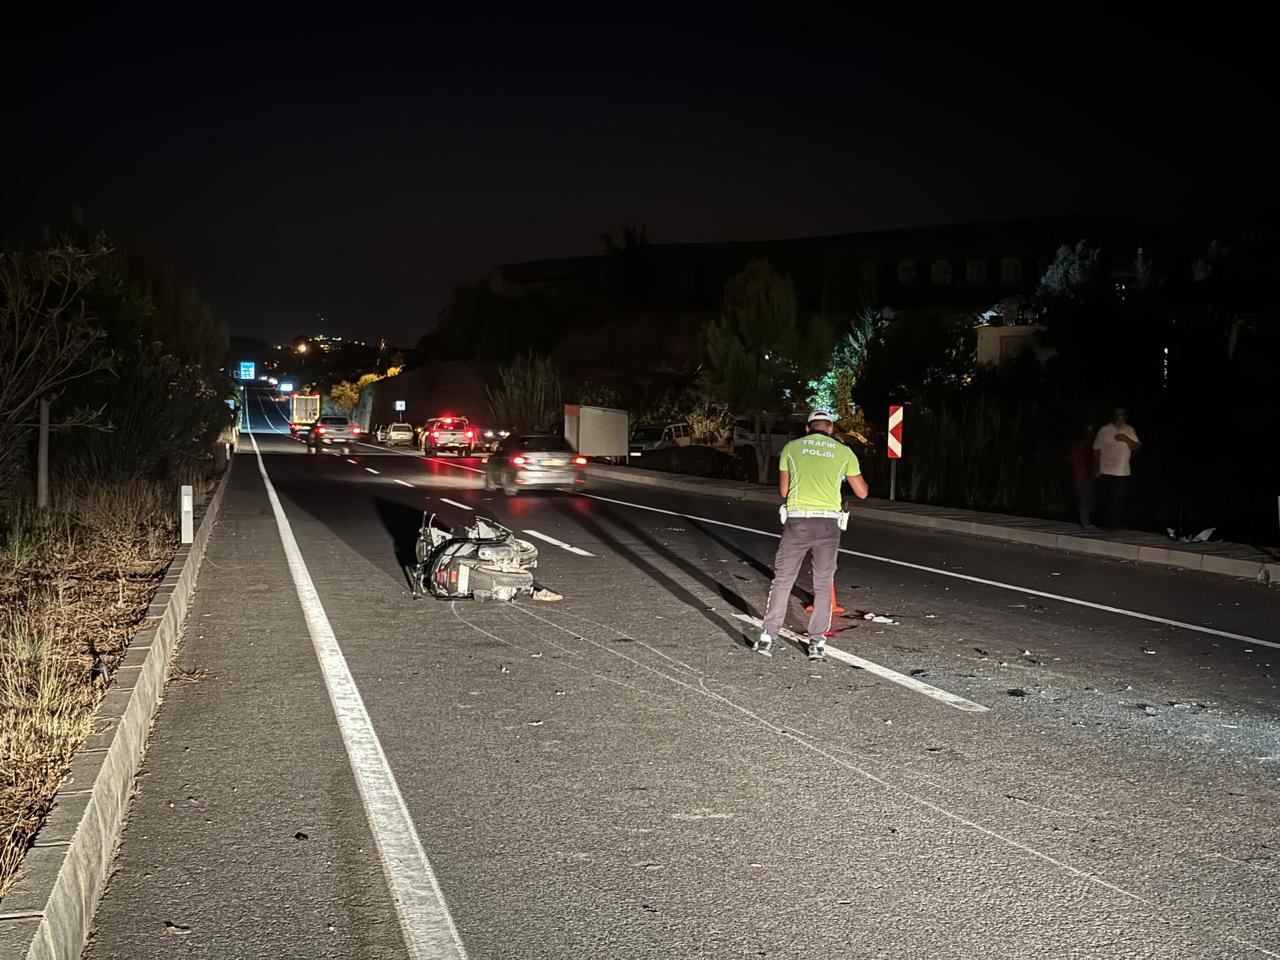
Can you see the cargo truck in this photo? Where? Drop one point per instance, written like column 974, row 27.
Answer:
column 304, row 410
column 596, row 431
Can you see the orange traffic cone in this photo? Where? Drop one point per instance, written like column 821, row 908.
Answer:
column 835, row 606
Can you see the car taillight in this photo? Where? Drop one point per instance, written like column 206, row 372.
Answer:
column 354, row 428
column 319, row 429
column 580, row 461
column 435, row 434
column 469, row 435
column 518, row 461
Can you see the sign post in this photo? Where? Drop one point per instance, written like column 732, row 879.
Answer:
column 186, row 512
column 399, row 411
column 895, row 448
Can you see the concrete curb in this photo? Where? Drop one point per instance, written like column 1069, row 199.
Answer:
column 48, row 914
column 1113, row 549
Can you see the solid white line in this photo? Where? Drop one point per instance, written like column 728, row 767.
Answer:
column 428, row 927
column 455, row 503
column 403, row 483
column 559, row 543
column 1152, row 618
column 911, row 683
column 371, row 470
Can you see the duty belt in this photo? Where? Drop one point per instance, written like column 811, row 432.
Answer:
column 803, row 514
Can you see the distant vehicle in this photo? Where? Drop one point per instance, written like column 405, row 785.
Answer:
column 784, row 431
column 333, row 432
column 534, row 460
column 380, row 433
column 448, row 433
column 303, row 411
column 488, row 440
column 651, row 437
column 398, row 434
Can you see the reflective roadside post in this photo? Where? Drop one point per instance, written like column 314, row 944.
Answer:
column 895, row 448
column 186, row 512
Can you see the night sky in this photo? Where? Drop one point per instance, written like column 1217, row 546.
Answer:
column 295, row 164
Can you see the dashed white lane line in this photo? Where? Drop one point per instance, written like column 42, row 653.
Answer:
column 425, row 921
column 911, row 683
column 1121, row 611
column 451, row 463
column 559, row 543
column 403, row 483
column 424, row 459
column 371, row 470
column 455, row 503
column 356, row 462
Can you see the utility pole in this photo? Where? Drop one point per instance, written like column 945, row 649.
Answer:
column 42, row 458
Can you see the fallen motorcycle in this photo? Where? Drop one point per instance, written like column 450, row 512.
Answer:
column 484, row 561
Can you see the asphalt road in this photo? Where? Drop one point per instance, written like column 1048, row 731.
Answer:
column 617, row 775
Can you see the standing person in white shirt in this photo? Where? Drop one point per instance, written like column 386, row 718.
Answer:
column 1112, row 449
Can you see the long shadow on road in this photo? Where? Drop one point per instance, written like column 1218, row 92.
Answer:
column 756, row 564
column 732, row 630
column 402, row 523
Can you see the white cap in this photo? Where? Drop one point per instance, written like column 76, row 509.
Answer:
column 822, row 415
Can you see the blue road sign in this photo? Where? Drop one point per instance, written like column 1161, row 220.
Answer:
column 247, row 369
column 286, row 386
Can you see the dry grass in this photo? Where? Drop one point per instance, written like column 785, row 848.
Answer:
column 73, row 588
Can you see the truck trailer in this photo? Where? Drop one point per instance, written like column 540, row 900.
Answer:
column 596, row 431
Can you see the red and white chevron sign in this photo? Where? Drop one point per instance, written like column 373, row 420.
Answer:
column 895, row 433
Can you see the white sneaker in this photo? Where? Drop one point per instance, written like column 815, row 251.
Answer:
column 763, row 645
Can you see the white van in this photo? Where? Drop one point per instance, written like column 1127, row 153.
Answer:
column 650, row 437
column 784, row 431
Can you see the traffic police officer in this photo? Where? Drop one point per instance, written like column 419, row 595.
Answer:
column 810, row 472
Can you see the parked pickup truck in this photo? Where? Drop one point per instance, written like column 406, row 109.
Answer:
column 448, row 433
column 333, row 432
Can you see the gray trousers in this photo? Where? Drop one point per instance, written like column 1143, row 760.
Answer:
column 819, row 536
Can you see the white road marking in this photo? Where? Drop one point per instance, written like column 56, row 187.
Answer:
column 911, row 683
column 403, row 483
column 1121, row 611
column 356, row 462
column 425, row 459
column 371, row 470
column 428, row 927
column 455, row 503
column 559, row 543
column 452, row 463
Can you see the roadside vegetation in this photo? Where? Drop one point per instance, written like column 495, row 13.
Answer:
column 128, row 363
column 1182, row 337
